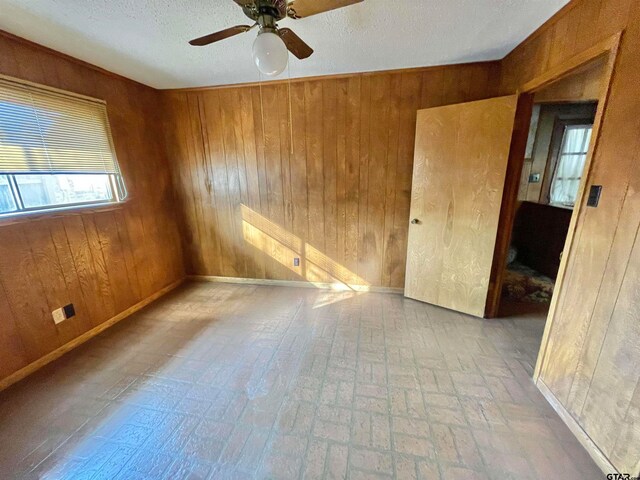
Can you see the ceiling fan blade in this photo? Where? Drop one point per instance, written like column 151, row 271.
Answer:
column 295, row 44
column 221, row 35
column 306, row 8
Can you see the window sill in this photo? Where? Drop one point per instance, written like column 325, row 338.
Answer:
column 562, row 205
column 26, row 217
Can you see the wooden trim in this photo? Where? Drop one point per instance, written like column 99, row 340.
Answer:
column 508, row 210
column 68, row 58
column 585, row 440
column 26, row 217
column 567, row 67
column 509, row 202
column 57, row 353
column 293, row 283
column 337, row 76
column 555, row 147
column 580, row 202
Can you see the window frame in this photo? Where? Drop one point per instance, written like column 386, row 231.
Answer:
column 20, row 209
column 555, row 152
column 117, row 185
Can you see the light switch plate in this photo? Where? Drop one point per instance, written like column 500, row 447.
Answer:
column 594, row 195
column 58, row 316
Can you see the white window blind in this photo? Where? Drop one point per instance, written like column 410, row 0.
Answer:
column 48, row 132
column 56, row 150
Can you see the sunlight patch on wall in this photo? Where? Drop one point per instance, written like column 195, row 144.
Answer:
column 315, row 267
column 270, row 246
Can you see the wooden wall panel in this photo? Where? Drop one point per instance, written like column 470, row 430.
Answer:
column 592, row 363
column 336, row 195
column 13, row 352
column 584, row 86
column 101, row 261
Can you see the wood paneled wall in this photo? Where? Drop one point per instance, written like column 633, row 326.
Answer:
column 101, row 261
column 592, row 363
column 583, row 86
column 337, row 198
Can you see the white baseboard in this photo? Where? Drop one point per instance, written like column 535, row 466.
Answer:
column 58, row 352
column 295, row 283
column 600, row 458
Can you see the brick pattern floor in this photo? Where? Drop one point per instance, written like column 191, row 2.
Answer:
column 227, row 381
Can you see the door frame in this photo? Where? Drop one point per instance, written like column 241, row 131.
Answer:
column 607, row 48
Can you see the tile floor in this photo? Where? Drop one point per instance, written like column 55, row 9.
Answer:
column 226, row 381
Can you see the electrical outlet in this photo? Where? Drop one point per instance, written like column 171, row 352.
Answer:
column 58, row 316
column 296, row 262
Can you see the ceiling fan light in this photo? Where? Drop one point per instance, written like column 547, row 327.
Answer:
column 270, row 53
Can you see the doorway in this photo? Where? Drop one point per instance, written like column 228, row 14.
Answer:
column 553, row 168
column 548, row 180
column 468, row 171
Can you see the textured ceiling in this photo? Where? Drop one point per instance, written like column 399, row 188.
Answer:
column 146, row 40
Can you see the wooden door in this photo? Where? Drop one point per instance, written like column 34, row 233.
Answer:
column 459, row 174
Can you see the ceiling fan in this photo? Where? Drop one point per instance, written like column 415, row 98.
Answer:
column 270, row 47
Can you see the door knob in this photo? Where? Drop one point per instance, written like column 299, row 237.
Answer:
column 415, row 221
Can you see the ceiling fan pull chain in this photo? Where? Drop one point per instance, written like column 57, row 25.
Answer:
column 264, row 141
column 290, row 108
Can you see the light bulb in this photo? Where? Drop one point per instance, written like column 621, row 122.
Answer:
column 270, row 54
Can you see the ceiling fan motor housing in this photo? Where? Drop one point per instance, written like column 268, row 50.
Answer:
column 277, row 9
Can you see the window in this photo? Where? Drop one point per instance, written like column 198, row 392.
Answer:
column 56, row 151
column 570, row 165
